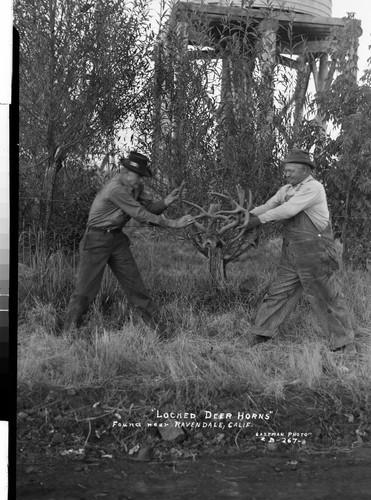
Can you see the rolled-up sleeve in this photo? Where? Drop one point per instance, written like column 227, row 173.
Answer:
column 122, row 197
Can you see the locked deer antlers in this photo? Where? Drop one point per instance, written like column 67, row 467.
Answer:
column 238, row 211
column 215, row 223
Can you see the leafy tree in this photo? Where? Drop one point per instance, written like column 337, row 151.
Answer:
column 212, row 123
column 81, row 70
column 345, row 157
column 216, row 121
column 347, row 166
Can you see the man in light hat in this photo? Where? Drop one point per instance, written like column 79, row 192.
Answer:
column 308, row 260
column 123, row 197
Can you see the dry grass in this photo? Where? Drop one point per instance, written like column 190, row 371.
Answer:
column 210, row 353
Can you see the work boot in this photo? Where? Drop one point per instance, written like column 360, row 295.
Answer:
column 62, row 326
column 76, row 309
column 156, row 324
column 347, row 350
column 260, row 339
column 163, row 331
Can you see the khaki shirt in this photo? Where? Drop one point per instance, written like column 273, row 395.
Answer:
column 308, row 196
column 117, row 202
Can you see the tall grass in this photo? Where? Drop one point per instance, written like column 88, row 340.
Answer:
column 210, row 352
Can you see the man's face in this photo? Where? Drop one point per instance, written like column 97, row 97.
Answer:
column 131, row 178
column 295, row 172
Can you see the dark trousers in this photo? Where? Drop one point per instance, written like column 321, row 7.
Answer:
column 96, row 250
column 307, row 265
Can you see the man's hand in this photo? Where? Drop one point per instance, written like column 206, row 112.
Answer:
column 184, row 221
column 174, row 196
column 253, row 222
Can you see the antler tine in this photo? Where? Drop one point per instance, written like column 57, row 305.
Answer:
column 230, row 199
column 225, row 196
column 229, row 226
column 203, row 212
column 195, row 206
column 247, row 214
column 238, row 206
column 250, row 200
column 240, row 194
column 241, row 197
column 180, row 194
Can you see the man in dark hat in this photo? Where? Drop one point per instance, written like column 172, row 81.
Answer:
column 308, row 260
column 123, row 197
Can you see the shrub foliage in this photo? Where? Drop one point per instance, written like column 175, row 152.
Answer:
column 215, row 114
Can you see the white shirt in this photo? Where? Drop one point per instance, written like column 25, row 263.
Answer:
column 308, row 196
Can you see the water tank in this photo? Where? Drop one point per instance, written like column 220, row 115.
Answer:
column 321, row 8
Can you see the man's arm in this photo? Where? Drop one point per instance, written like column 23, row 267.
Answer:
column 158, row 206
column 154, row 206
column 269, row 205
column 122, row 198
column 308, row 196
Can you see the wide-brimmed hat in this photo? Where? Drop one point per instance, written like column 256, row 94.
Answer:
column 138, row 163
column 297, row 155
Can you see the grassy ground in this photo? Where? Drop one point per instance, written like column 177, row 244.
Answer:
column 209, row 363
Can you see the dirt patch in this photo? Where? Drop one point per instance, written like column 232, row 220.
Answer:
column 278, row 476
column 82, row 444
column 49, row 420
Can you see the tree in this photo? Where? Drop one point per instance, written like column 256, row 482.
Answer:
column 216, row 122
column 81, row 70
column 212, row 126
column 345, row 160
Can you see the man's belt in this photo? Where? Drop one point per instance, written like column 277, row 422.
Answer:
column 105, row 229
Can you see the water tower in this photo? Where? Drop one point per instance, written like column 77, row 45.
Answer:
column 295, row 32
